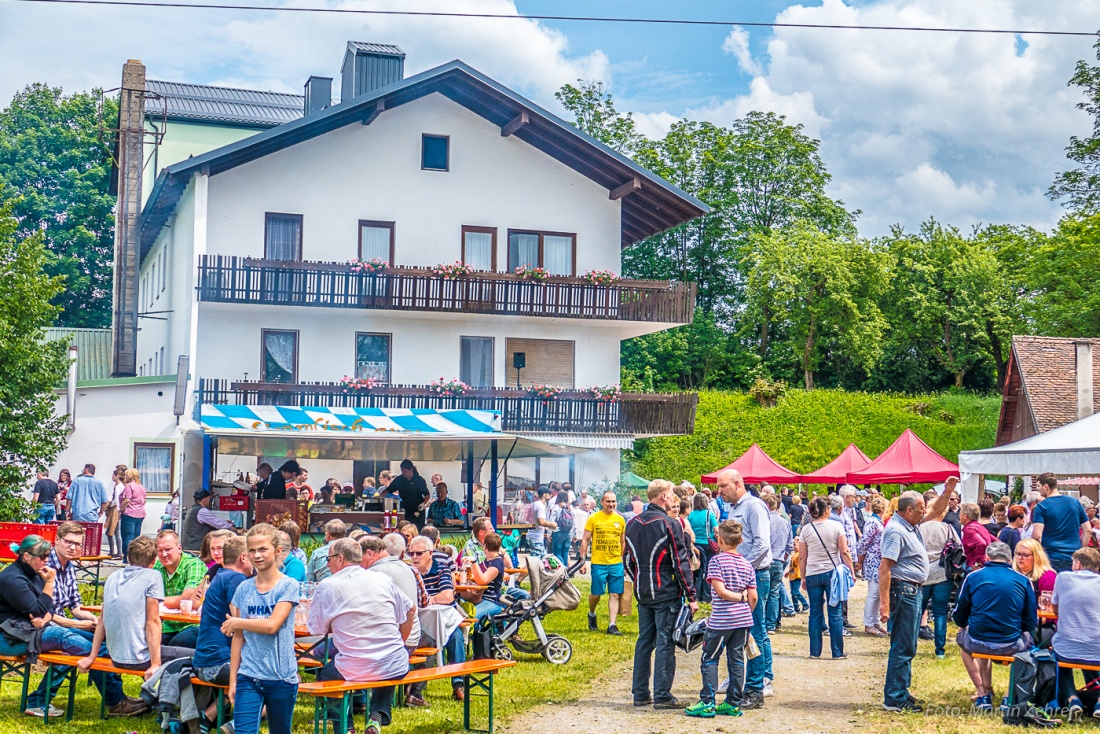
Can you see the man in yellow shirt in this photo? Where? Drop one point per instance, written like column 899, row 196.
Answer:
column 606, row 531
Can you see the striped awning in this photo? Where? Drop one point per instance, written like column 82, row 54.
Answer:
column 349, row 422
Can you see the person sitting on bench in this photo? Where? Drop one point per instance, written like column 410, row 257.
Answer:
column 369, row 618
column 1076, row 601
column 441, row 590
column 995, row 613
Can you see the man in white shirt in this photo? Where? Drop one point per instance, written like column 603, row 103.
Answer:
column 369, row 618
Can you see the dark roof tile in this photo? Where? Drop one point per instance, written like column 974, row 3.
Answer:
column 1048, row 370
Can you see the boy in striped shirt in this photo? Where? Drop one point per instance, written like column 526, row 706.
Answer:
column 733, row 587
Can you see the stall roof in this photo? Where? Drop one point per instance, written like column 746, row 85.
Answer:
column 369, row 433
column 756, row 466
column 908, row 460
column 836, row 471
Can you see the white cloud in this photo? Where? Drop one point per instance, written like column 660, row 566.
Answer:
column 277, row 50
column 737, row 44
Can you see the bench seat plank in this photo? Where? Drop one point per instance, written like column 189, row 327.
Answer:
column 336, row 688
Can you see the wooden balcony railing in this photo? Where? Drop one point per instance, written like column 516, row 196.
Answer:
column 334, row 285
column 573, row 411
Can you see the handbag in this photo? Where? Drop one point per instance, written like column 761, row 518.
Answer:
column 712, row 544
column 752, row 650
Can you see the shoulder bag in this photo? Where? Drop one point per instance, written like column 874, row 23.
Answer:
column 712, row 544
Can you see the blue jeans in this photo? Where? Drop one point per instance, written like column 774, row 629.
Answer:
column 186, row 637
column 817, row 586
column 46, row 514
column 252, row 695
column 1060, row 563
column 786, row 604
column 760, row 667
column 775, row 583
column 733, row 641
column 702, row 588
column 940, row 594
column 798, row 601
column 131, row 528
column 655, row 635
column 536, row 548
column 559, row 546
column 486, row 608
column 69, row 641
column 905, row 611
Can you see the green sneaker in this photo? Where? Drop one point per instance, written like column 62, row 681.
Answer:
column 702, row 710
column 725, row 709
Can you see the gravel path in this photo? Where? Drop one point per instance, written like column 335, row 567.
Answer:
column 811, row 696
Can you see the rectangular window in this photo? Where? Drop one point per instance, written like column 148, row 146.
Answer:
column 156, row 465
column 279, row 361
column 435, row 152
column 376, row 240
column 283, row 237
column 372, row 357
column 476, row 361
column 554, row 251
column 479, row 247
column 153, row 282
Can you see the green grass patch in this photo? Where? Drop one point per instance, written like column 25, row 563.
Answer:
column 532, row 682
column 806, row 430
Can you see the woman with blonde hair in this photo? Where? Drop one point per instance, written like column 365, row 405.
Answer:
column 1031, row 560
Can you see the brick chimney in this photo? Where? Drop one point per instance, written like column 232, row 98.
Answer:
column 131, row 137
column 1084, row 379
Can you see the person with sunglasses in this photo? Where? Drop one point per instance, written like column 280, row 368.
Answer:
column 441, row 590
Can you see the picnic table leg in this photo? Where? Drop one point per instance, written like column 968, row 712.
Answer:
column 26, row 686
column 345, row 705
column 221, row 708
column 95, row 589
column 466, row 704
column 49, row 687
column 491, row 676
column 317, row 715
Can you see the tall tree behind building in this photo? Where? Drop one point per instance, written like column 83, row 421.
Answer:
column 55, row 157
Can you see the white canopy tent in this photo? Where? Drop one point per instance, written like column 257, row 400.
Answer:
column 1070, row 450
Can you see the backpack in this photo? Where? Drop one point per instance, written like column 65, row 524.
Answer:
column 953, row 559
column 565, row 520
column 1035, row 679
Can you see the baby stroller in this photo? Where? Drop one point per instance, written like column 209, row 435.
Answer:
column 551, row 591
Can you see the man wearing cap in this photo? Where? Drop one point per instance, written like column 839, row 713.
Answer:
column 200, row 520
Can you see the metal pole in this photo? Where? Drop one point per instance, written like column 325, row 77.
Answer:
column 470, row 480
column 493, row 483
column 70, row 391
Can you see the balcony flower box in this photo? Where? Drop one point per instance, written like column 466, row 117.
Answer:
column 452, row 271
column 606, row 393
column 601, row 277
column 374, row 266
column 448, row 388
column 534, row 275
column 356, row 384
column 545, row 393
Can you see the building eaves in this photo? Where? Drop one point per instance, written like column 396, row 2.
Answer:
column 653, row 206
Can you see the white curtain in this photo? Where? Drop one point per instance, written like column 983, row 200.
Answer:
column 557, row 252
column 283, row 238
column 479, row 250
column 280, row 350
column 376, row 243
column 372, row 359
column 154, row 464
column 476, row 368
column 523, row 249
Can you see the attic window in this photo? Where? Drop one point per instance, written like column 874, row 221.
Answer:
column 435, row 153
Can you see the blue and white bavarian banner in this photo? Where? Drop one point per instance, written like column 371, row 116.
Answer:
column 293, row 419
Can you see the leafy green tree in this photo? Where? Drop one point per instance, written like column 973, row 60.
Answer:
column 595, row 114
column 1061, row 275
column 1079, row 188
column 821, row 286
column 31, row 435
column 55, row 154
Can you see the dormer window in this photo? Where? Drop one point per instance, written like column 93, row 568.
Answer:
column 435, row 152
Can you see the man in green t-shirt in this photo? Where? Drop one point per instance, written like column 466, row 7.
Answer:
column 606, row 531
column 182, row 574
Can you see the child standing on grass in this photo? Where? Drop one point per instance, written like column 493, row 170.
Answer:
column 794, row 576
column 733, row 588
column 263, row 670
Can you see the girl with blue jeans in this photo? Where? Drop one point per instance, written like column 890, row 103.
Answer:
column 263, row 669
column 491, row 574
column 821, row 547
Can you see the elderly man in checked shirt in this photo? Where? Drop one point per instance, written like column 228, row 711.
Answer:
column 755, row 546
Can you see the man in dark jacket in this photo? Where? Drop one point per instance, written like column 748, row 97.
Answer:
column 658, row 560
column 413, row 491
column 276, row 485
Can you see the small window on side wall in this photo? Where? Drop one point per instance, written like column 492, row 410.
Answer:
column 283, row 236
column 156, row 467
column 435, row 152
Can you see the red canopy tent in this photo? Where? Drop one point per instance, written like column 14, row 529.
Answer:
column 908, row 461
column 755, row 467
column 836, row 471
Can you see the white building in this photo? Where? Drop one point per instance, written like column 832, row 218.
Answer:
column 247, row 234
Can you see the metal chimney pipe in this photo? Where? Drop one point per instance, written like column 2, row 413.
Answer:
column 70, row 391
column 1084, row 380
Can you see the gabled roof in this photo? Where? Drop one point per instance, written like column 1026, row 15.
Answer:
column 908, row 460
column 375, row 48
column 220, row 105
column 652, row 207
column 1047, row 368
column 836, row 471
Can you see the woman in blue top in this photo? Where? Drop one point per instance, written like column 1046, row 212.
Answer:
column 263, row 669
column 705, row 525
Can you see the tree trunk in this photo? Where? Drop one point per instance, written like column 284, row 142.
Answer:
column 807, row 373
column 959, row 376
column 998, row 354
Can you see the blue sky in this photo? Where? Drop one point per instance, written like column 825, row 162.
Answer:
column 967, row 128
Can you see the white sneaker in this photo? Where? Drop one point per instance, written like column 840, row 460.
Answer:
column 55, row 713
column 724, row 686
column 768, row 687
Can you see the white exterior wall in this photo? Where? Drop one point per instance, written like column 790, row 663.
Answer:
column 109, row 420
column 373, row 172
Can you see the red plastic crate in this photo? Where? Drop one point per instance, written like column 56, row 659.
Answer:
column 232, row 503
column 93, row 539
column 14, row 532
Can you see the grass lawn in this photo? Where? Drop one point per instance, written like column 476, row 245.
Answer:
column 534, row 681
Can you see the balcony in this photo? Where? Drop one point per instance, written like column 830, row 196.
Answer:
column 334, row 285
column 573, row 411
